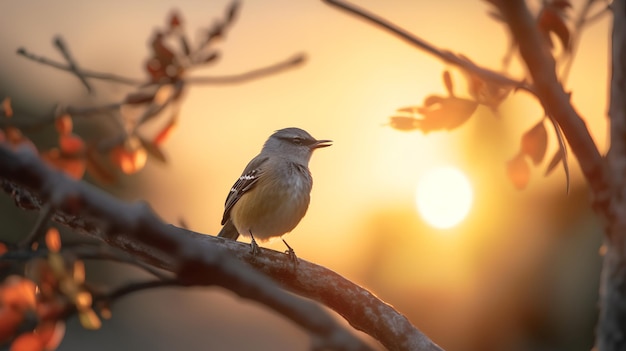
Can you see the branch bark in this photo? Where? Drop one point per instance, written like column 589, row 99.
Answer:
column 207, row 260
column 611, row 330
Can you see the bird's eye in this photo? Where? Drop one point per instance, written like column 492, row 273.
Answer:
column 297, row 141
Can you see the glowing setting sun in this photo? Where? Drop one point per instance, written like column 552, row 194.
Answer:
column 444, row 197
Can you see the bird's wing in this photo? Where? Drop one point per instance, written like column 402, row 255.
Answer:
column 246, row 181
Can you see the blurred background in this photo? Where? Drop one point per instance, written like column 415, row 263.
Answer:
column 517, row 270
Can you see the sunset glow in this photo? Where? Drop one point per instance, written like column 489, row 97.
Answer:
column 444, row 197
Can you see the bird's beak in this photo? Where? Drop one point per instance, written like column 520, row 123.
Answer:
column 320, row 143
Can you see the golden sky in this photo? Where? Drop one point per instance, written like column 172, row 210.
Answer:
column 362, row 220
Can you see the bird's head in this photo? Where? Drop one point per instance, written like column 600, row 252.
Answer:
column 294, row 143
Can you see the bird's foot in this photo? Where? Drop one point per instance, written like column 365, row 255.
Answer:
column 254, row 248
column 292, row 254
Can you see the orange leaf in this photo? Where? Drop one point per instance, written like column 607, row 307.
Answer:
column 27, row 342
column 518, row 171
column 448, row 114
column 18, row 292
column 128, row 159
column 71, row 145
column 3, row 248
column 51, row 333
column 53, row 240
column 64, row 124
column 404, row 123
column 535, row 142
column 10, row 321
column 166, row 131
column 71, row 165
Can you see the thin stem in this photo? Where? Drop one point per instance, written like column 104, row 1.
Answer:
column 444, row 55
column 39, row 228
column 87, row 74
column 252, row 74
column 60, row 44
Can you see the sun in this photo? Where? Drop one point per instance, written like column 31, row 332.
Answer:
column 444, row 197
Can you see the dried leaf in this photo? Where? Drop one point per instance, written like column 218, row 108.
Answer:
column 89, row 320
column 404, row 123
column 53, row 240
column 556, row 159
column 449, row 113
column 535, row 142
column 447, row 81
column 518, row 171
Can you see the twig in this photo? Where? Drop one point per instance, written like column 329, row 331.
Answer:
column 446, row 56
column 87, row 74
column 252, row 74
column 60, row 44
column 134, row 287
column 39, row 228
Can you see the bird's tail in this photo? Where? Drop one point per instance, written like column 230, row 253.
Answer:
column 229, row 231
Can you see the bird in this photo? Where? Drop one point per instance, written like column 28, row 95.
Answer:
column 273, row 192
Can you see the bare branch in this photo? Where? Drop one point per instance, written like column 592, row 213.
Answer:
column 207, row 260
column 444, row 55
column 60, row 44
column 252, row 74
column 87, row 74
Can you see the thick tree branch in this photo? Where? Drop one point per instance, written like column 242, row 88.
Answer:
column 207, row 260
column 553, row 97
column 137, row 230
